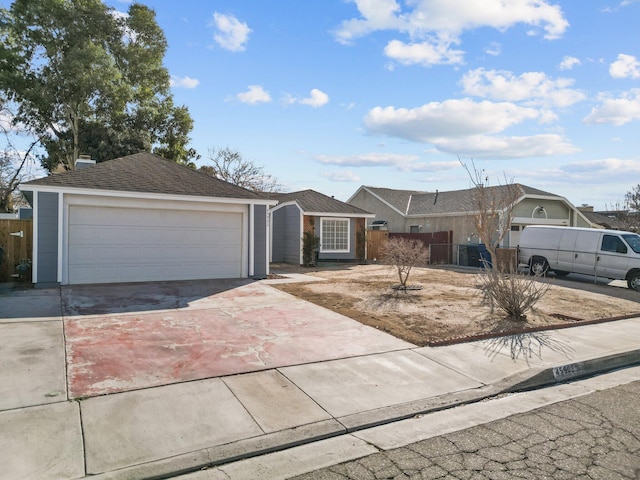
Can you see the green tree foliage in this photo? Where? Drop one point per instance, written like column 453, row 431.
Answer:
column 86, row 79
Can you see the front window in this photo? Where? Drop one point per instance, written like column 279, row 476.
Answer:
column 633, row 240
column 334, row 235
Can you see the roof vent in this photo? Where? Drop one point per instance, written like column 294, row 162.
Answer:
column 84, row 161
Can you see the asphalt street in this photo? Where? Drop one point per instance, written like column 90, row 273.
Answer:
column 596, row 436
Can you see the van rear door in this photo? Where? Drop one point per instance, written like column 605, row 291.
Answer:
column 586, row 246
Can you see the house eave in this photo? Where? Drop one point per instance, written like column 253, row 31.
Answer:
column 342, row 215
column 144, row 195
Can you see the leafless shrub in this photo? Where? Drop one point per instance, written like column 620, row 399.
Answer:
column 404, row 254
column 513, row 293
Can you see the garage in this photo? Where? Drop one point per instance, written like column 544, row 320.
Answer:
column 134, row 244
column 142, row 218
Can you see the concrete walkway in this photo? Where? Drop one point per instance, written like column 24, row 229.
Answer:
column 148, row 425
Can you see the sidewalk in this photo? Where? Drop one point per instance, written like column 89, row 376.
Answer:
column 181, row 427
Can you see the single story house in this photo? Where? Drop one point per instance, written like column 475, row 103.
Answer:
column 339, row 226
column 144, row 218
column 410, row 211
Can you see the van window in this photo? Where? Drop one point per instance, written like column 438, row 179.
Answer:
column 633, row 240
column 613, row 243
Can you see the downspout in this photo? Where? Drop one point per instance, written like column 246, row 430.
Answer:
column 34, row 265
column 251, row 239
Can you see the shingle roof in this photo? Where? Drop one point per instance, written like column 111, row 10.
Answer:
column 399, row 199
column 604, row 220
column 412, row 202
column 148, row 173
column 312, row 201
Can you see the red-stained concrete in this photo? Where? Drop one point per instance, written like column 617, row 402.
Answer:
column 238, row 330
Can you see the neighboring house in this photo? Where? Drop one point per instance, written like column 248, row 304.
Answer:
column 613, row 219
column 339, row 226
column 409, row 211
column 144, row 218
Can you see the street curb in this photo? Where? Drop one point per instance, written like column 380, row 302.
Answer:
column 549, row 376
column 243, row 449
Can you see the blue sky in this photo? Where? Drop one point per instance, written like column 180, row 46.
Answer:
column 335, row 94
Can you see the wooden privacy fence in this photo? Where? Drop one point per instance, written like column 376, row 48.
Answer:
column 17, row 247
column 438, row 243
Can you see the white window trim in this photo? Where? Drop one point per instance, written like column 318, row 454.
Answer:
column 334, row 219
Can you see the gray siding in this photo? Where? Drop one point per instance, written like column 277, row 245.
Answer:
column 47, row 240
column 260, row 241
column 287, row 237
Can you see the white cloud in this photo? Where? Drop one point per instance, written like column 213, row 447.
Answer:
column 368, row 160
column 423, row 53
column 494, row 49
column 466, row 127
column 316, row 99
column 401, row 162
column 184, row 82
column 451, row 118
column 341, row 176
column 254, row 94
column 616, row 111
column 432, row 26
column 231, row 34
column 627, row 66
column 533, row 88
column 495, row 147
column 569, row 62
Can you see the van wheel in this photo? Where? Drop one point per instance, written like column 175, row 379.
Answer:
column 539, row 266
column 633, row 282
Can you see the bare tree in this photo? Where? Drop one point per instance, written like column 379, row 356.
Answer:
column 632, row 199
column 624, row 216
column 13, row 171
column 14, row 164
column 493, row 207
column 404, row 254
column 228, row 165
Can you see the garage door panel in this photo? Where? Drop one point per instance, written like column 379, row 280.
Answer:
column 126, row 245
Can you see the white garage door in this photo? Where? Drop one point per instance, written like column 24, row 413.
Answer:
column 108, row 245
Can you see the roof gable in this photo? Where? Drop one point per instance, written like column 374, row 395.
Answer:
column 311, row 201
column 146, row 173
column 414, row 202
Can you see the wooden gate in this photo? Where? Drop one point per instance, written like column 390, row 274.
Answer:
column 17, row 247
column 375, row 243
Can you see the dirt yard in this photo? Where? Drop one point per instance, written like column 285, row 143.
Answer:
column 449, row 306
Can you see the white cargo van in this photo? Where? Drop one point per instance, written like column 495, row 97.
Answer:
column 604, row 253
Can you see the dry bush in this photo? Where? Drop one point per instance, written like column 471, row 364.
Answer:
column 404, row 254
column 513, row 293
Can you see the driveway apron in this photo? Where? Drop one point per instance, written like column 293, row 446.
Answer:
column 135, row 336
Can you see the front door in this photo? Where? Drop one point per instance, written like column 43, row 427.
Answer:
column 612, row 260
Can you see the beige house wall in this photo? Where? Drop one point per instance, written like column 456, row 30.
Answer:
column 526, row 212
column 369, row 203
column 462, row 226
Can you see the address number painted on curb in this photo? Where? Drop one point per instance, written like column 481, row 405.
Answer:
column 568, row 371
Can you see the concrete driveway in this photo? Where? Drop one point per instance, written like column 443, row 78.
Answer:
column 116, row 338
